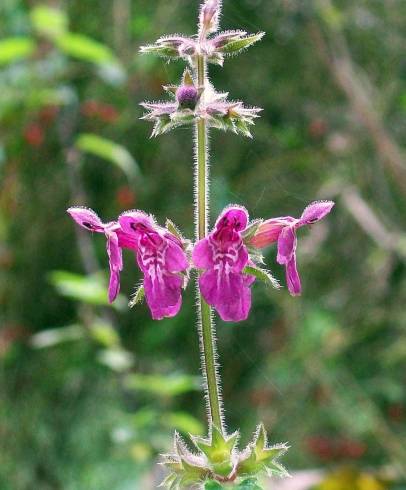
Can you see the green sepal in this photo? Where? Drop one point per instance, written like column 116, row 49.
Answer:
column 169, row 482
column 225, row 123
column 259, row 457
column 185, row 468
column 255, row 254
column 241, row 127
column 172, row 462
column 213, row 485
column 263, row 275
column 162, row 51
column 138, row 297
column 249, row 484
column 187, row 78
column 170, row 89
column 218, row 450
column 195, row 466
column 163, row 125
column 235, row 46
column 182, row 117
column 216, row 58
column 172, row 228
column 251, row 229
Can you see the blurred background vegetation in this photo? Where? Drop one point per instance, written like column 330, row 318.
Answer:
column 90, row 394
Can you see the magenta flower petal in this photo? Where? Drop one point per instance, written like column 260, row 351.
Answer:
column 132, row 222
column 116, row 239
column 292, row 277
column 161, row 258
column 114, row 285
column 269, row 231
column 163, row 293
column 241, row 259
column 283, row 230
column 116, row 264
column 176, row 260
column 233, row 217
column 228, row 293
column 223, row 256
column 202, row 254
column 315, row 212
column 287, row 243
column 87, row 218
column 125, row 240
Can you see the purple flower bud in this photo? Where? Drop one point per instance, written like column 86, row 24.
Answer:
column 187, row 96
column 209, row 15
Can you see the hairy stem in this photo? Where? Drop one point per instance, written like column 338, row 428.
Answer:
column 206, row 330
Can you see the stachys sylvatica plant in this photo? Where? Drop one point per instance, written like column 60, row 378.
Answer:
column 227, row 259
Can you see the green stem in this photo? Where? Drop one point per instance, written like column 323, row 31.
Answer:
column 206, row 330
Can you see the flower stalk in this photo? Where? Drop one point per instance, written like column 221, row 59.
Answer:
column 206, row 324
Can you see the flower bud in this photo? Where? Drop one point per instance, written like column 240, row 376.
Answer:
column 187, row 96
column 209, row 16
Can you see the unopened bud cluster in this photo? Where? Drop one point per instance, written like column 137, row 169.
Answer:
column 191, row 102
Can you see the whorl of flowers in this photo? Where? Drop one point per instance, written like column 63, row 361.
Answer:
column 227, row 260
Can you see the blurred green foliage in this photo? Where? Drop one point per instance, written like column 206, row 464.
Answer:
column 89, row 394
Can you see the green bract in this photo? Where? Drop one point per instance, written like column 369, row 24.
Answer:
column 218, row 461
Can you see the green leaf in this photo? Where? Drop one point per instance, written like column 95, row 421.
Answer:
column 183, row 422
column 237, row 45
column 138, row 297
column 48, row 21
column 87, row 289
column 169, row 386
column 117, row 359
column 15, row 48
column 84, row 48
column 108, row 150
column 249, row 484
column 105, row 334
column 55, row 336
column 212, row 485
column 263, row 275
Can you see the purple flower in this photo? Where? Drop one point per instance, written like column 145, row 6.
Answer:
column 162, row 260
column 223, row 256
column 116, row 240
column 283, row 230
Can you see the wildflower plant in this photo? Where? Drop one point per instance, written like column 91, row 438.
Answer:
column 226, row 261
